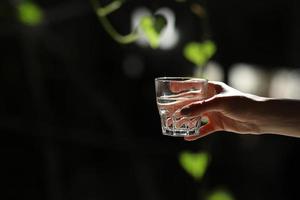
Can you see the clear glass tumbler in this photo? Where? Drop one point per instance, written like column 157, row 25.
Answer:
column 172, row 94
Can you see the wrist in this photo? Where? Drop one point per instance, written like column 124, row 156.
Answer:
column 278, row 116
column 259, row 113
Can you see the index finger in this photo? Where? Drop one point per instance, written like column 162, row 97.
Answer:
column 200, row 107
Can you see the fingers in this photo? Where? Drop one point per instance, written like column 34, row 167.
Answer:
column 200, row 107
column 180, row 86
column 187, row 122
column 214, row 88
column 217, row 86
column 172, row 107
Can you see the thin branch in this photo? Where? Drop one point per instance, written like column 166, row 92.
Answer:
column 113, row 6
column 102, row 12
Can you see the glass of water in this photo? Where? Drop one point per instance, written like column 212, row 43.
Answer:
column 172, row 94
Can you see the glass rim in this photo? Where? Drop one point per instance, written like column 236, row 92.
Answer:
column 180, row 78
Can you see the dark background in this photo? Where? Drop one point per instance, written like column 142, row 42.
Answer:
column 74, row 125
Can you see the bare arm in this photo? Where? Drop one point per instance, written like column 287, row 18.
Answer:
column 279, row 116
column 228, row 109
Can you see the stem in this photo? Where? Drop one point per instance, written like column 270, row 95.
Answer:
column 102, row 12
column 123, row 39
column 113, row 6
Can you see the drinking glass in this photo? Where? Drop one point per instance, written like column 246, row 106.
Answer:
column 172, row 94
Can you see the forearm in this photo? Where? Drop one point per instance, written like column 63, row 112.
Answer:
column 279, row 116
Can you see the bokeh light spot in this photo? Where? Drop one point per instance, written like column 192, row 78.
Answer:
column 133, row 66
column 30, row 14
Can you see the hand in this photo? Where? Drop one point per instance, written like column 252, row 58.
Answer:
column 227, row 109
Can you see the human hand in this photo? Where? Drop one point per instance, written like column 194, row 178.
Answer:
column 172, row 95
column 226, row 109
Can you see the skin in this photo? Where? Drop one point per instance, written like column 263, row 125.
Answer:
column 228, row 109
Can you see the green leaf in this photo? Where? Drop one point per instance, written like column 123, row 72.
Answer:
column 220, row 195
column 194, row 164
column 152, row 27
column 30, row 14
column 199, row 53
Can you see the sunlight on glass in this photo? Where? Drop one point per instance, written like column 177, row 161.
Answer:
column 220, row 195
column 194, row 164
column 30, row 14
column 199, row 53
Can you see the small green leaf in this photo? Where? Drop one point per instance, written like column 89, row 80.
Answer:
column 220, row 195
column 199, row 53
column 194, row 164
column 147, row 25
column 152, row 27
column 30, row 14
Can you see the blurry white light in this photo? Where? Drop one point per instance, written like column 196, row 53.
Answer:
column 133, row 66
column 285, row 84
column 248, row 78
column 213, row 71
column 278, row 84
column 169, row 36
column 135, row 21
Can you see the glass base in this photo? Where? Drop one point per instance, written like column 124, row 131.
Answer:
column 180, row 132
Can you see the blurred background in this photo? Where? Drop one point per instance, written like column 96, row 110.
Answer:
column 78, row 116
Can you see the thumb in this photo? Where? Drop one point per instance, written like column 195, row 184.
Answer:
column 204, row 131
